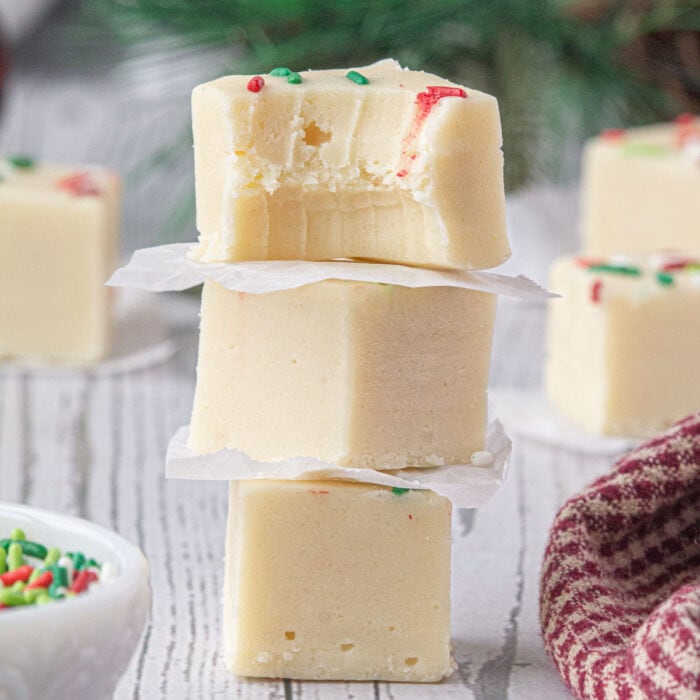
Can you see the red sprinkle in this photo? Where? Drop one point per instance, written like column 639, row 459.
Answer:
column 256, row 84
column 678, row 265
column 683, row 119
column 82, row 580
column 588, row 262
column 687, row 132
column 596, row 290
column 425, row 101
column 20, row 574
column 433, row 93
column 410, row 517
column 79, row 184
column 41, row 581
column 613, row 134
column 318, row 493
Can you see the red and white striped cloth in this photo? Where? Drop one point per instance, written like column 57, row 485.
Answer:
column 620, row 586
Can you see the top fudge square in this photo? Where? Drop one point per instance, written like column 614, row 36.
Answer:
column 379, row 163
column 59, row 240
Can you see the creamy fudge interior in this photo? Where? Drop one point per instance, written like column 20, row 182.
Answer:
column 335, row 580
column 59, row 239
column 640, row 190
column 624, row 342
column 355, row 373
column 404, row 168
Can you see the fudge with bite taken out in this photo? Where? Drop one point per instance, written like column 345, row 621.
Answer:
column 379, row 163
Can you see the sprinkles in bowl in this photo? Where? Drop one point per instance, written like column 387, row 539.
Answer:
column 32, row 573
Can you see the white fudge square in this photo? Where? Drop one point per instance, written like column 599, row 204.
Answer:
column 354, row 373
column 59, row 239
column 624, row 342
column 405, row 168
column 334, row 580
column 640, row 190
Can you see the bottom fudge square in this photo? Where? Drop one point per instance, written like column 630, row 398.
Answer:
column 337, row 580
column 624, row 342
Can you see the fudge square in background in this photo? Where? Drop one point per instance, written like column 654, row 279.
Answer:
column 379, row 163
column 641, row 190
column 624, row 342
column 339, row 581
column 355, row 373
column 59, row 239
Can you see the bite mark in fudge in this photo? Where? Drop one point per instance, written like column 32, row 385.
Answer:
column 405, row 167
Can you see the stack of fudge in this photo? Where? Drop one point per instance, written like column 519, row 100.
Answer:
column 624, row 339
column 335, row 579
column 59, row 232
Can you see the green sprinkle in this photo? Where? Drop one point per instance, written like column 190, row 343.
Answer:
column 78, row 560
column 31, row 595
column 22, row 162
column 33, row 549
column 54, row 592
column 52, row 556
column 294, row 78
column 93, row 564
column 35, row 575
column 18, row 586
column 3, row 561
column 399, row 491
column 18, row 534
column 11, row 597
column 356, row 77
column 60, row 574
column 43, row 597
column 617, row 269
column 14, row 556
column 646, row 150
column 280, row 72
column 664, row 278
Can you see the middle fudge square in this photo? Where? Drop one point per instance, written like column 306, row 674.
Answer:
column 335, row 580
column 358, row 374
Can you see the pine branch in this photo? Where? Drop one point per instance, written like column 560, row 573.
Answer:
column 556, row 65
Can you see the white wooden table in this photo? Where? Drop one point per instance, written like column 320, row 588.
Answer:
column 94, row 445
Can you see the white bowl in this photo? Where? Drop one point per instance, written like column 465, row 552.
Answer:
column 74, row 648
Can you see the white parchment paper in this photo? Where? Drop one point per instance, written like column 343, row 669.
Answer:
column 465, row 485
column 168, row 268
column 528, row 413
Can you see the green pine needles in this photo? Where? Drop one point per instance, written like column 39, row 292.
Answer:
column 556, row 66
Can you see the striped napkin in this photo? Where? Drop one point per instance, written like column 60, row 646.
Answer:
column 620, row 586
